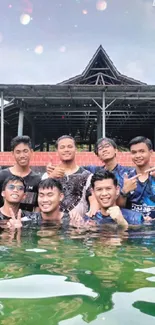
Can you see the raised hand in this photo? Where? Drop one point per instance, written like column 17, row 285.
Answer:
column 116, row 214
column 130, row 184
column 55, row 171
column 151, row 171
column 15, row 222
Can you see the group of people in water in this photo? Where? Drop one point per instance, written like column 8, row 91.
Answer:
column 83, row 197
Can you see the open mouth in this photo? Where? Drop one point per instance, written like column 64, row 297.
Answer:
column 45, row 206
column 105, row 201
column 15, row 196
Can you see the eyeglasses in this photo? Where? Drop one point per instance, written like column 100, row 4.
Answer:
column 12, row 187
column 104, row 145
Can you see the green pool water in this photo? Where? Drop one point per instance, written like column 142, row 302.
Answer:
column 49, row 277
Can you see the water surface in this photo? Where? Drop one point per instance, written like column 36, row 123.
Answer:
column 50, row 277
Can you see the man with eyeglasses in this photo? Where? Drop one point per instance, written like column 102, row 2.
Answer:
column 106, row 150
column 13, row 192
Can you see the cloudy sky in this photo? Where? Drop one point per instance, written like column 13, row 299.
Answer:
column 47, row 41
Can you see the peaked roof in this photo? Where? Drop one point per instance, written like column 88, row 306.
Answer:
column 101, row 71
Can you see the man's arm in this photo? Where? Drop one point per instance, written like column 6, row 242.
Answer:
column 130, row 184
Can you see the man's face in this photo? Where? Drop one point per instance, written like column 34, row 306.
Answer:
column 49, row 199
column 22, row 154
column 106, row 193
column 140, row 154
column 106, row 151
column 14, row 192
column 66, row 149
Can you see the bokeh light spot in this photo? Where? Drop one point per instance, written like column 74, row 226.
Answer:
column 25, row 19
column 39, row 49
column 84, row 11
column 101, row 5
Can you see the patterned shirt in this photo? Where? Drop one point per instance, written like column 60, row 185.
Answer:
column 142, row 199
column 132, row 217
column 119, row 171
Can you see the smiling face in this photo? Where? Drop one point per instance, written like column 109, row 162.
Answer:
column 106, row 151
column 140, row 154
column 66, row 149
column 13, row 192
column 49, row 199
column 22, row 154
column 106, row 193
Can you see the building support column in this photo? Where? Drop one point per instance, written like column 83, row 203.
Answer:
column 20, row 122
column 99, row 124
column 103, row 116
column 47, row 146
column 33, row 135
column 2, row 122
column 42, row 146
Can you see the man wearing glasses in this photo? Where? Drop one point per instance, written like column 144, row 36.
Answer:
column 13, row 192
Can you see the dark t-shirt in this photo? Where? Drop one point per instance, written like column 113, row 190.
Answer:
column 35, row 219
column 32, row 181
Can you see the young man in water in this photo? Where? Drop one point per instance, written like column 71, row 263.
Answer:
column 13, row 192
column 106, row 190
column 50, row 198
column 22, row 151
column 142, row 198
column 75, row 180
column 106, row 150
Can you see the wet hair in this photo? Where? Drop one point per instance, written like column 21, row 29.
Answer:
column 13, row 179
column 108, row 140
column 101, row 175
column 50, row 183
column 21, row 139
column 141, row 139
column 64, row 137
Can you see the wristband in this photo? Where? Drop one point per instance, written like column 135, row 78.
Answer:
column 123, row 194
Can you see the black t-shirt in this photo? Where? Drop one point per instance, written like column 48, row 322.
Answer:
column 3, row 217
column 32, row 181
column 35, row 219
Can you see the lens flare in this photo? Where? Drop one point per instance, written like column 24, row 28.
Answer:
column 39, row 49
column 84, row 11
column 101, row 5
column 25, row 19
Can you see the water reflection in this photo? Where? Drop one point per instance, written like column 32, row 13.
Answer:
column 42, row 286
column 111, row 265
